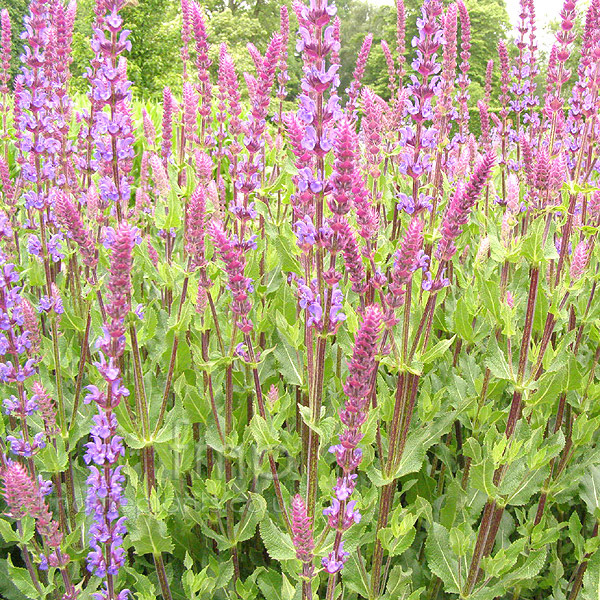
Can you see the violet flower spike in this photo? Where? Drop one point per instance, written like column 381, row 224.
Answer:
column 342, row 513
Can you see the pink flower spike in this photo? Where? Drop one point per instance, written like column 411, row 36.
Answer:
column 579, row 262
column 302, row 534
column 194, row 235
column 68, row 216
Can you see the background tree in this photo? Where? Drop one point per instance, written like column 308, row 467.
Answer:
column 156, row 24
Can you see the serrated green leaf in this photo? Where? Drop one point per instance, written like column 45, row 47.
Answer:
column 482, row 476
column 7, row 532
column 462, row 321
column 264, row 434
column 256, row 513
column 225, row 574
column 440, row 558
column 591, row 579
column 496, row 362
column 22, row 580
column 278, row 543
column 590, row 492
column 324, row 428
column 290, row 367
column 355, row 578
column 436, row 351
column 150, row 536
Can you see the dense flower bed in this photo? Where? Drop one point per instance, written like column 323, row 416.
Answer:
column 347, row 351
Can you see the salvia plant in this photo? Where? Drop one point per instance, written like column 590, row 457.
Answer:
column 344, row 351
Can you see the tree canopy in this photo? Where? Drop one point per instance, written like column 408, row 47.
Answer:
column 156, row 25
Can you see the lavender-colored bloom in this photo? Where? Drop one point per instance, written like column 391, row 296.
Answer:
column 34, row 246
column 25, row 406
column 345, row 486
column 334, row 561
column 342, row 513
column 22, row 447
column 105, row 485
column 310, row 300
column 336, row 315
column 305, row 233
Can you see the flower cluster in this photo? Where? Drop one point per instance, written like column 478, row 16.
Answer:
column 68, row 216
column 408, row 258
column 112, row 131
column 358, row 387
column 460, row 207
column 302, row 536
column 105, row 482
column 24, row 496
column 231, row 252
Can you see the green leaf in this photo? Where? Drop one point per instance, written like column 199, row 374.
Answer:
column 289, row 365
column 255, row 514
column 54, row 459
column 590, row 493
column 324, row 428
column 151, row 536
column 436, row 351
column 533, row 564
column 462, row 321
column 278, row 543
column 396, row 545
column 289, row 263
column 418, row 442
column 194, row 404
column 533, row 248
column 264, row 434
column 496, row 362
column 22, row 580
column 440, row 558
column 355, row 578
column 225, row 574
column 482, row 477
column 397, row 582
column 549, row 387
column 7, row 532
column 591, row 579
column 287, row 589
